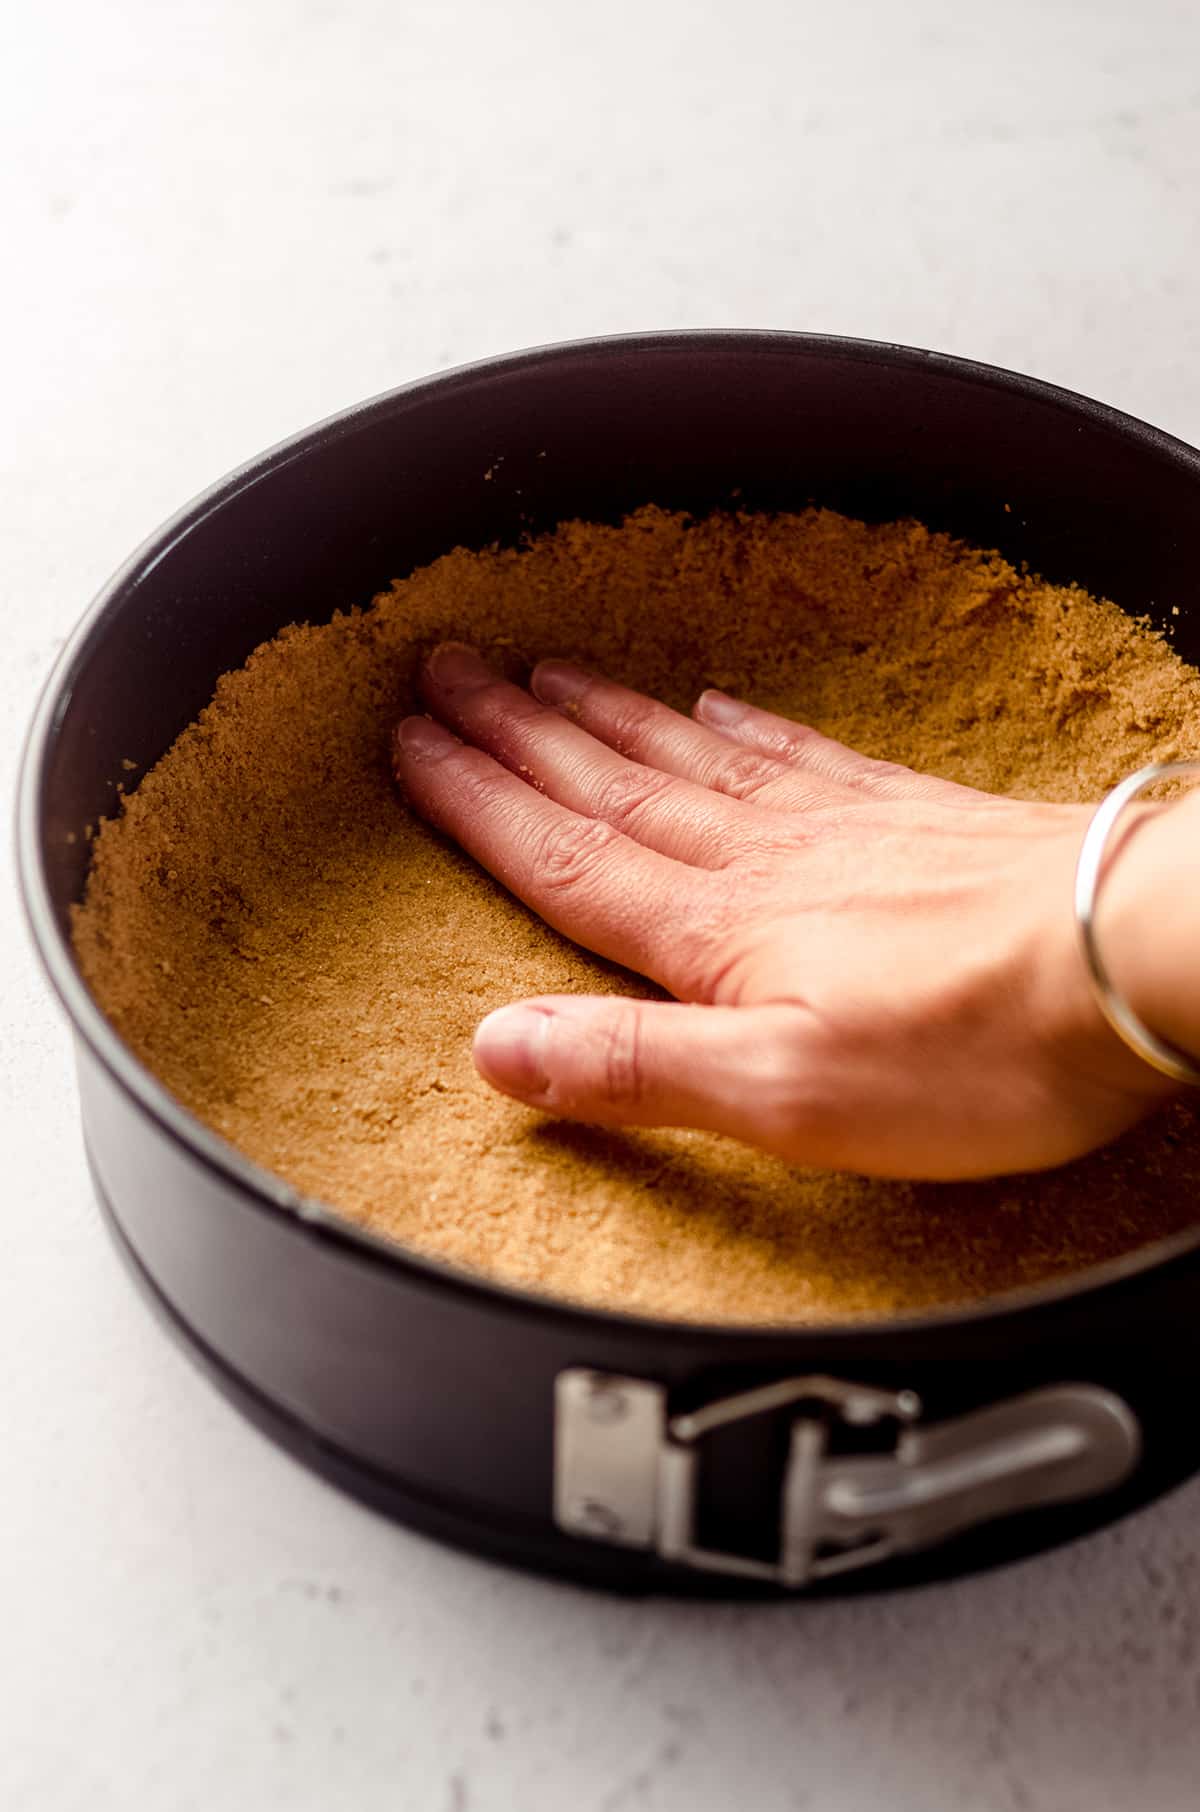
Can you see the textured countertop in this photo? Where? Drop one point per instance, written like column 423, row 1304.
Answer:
column 222, row 223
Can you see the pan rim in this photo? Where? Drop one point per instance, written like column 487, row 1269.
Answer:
column 264, row 1192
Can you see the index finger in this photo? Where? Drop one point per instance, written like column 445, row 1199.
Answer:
column 617, row 897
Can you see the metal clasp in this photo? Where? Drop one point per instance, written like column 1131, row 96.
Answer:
column 628, row 1473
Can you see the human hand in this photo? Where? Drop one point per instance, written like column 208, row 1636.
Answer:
column 874, row 970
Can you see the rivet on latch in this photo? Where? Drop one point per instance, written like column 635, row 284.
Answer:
column 606, row 1402
column 594, row 1518
column 864, row 1409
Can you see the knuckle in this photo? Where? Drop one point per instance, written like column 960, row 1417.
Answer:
column 743, row 774
column 460, row 778
column 475, row 776
column 801, row 743
column 623, row 795
column 623, row 1078
column 571, row 850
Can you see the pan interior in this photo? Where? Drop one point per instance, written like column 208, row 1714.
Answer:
column 303, row 962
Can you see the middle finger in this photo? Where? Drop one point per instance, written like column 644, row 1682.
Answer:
column 675, row 816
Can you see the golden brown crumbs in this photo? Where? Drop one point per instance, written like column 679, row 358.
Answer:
column 303, row 963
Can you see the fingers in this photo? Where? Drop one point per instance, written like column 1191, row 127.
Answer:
column 729, row 746
column 620, row 1062
column 784, row 741
column 553, row 754
column 651, row 733
column 620, row 899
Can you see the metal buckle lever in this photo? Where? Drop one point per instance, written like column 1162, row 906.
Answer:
column 628, row 1473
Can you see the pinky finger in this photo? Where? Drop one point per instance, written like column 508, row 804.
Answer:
column 809, row 752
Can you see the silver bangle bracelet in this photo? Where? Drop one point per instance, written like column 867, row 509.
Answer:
column 1088, row 874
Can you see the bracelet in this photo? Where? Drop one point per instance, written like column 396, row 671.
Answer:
column 1124, row 1021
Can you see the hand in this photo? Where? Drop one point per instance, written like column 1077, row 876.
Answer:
column 873, row 970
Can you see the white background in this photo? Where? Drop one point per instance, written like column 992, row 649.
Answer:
column 220, row 223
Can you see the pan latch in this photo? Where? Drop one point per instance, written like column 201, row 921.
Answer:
column 864, row 1476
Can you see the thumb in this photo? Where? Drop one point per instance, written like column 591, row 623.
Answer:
column 626, row 1062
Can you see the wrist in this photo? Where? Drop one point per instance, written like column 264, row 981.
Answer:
column 1148, row 919
column 1059, row 995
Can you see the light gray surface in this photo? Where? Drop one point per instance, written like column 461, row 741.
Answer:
column 222, row 223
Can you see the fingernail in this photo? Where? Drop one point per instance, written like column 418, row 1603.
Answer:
column 420, row 739
column 510, row 1047
column 453, row 664
column 557, row 682
column 718, row 708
